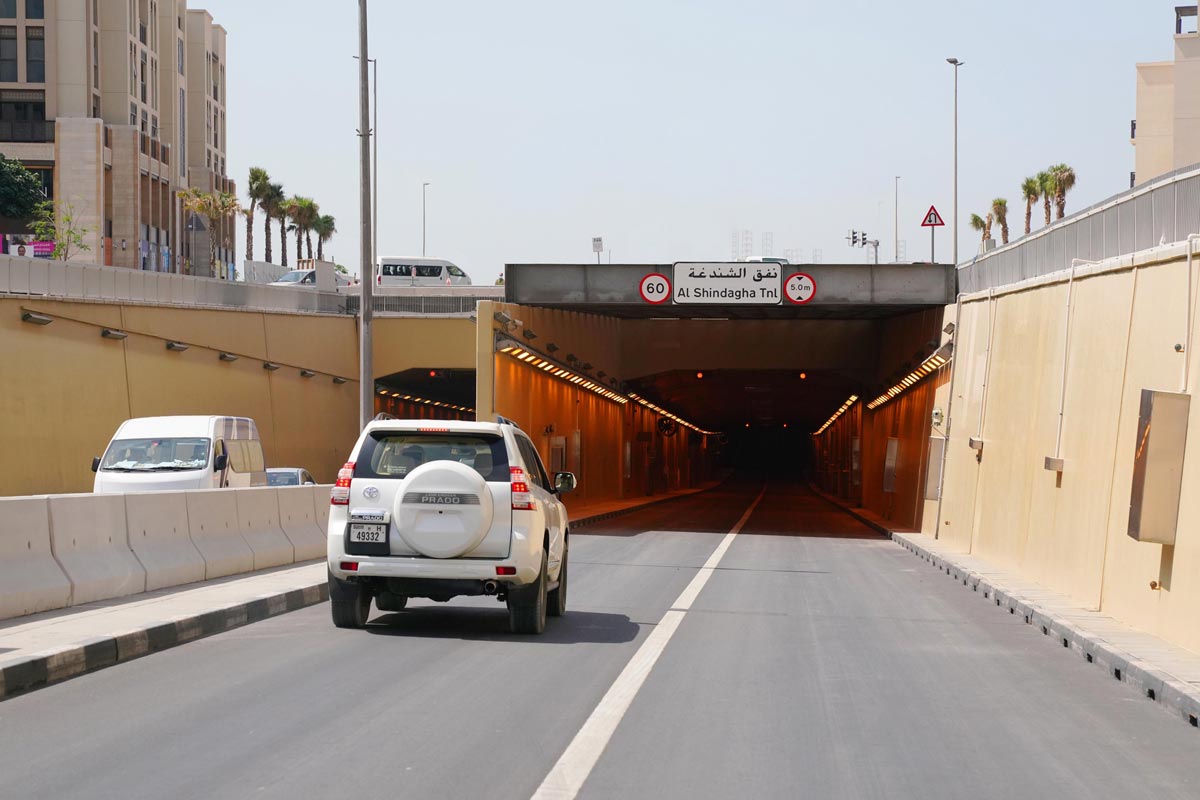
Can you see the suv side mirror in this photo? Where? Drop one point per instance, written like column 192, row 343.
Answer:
column 564, row 482
column 95, row 463
column 220, row 462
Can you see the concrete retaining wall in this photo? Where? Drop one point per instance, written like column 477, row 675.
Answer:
column 258, row 519
column 159, row 537
column 89, row 538
column 213, row 523
column 298, row 517
column 30, row 579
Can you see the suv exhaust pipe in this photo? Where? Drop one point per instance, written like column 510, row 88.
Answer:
column 489, row 587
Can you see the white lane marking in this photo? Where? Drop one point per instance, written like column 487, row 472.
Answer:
column 573, row 767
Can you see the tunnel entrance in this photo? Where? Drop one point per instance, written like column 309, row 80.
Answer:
column 642, row 395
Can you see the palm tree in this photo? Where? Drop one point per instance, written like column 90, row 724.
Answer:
column 1031, row 190
column 1064, row 181
column 216, row 207
column 1000, row 209
column 284, row 216
column 1049, row 186
column 270, row 202
column 256, row 187
column 978, row 223
column 304, row 213
column 325, row 227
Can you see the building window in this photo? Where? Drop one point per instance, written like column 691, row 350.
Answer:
column 133, row 113
column 35, row 9
column 35, row 55
column 96, row 106
column 145, row 122
column 182, row 129
column 154, row 82
column 95, row 61
column 8, row 10
column 179, row 52
column 143, row 76
column 8, row 54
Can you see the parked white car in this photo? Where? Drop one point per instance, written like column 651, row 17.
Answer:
column 438, row 509
column 161, row 454
column 307, row 279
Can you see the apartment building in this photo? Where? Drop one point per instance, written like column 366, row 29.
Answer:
column 97, row 96
column 1166, row 131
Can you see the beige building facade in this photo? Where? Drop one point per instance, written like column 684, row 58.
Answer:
column 95, row 97
column 1166, row 130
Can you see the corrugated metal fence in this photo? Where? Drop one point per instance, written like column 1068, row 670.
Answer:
column 1163, row 210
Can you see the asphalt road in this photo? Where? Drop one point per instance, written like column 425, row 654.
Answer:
column 818, row 661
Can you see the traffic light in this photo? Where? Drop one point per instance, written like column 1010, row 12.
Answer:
column 854, row 238
column 862, row 238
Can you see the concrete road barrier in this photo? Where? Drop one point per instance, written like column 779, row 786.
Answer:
column 321, row 503
column 258, row 516
column 159, row 537
column 30, row 579
column 298, row 518
column 88, row 537
column 213, row 526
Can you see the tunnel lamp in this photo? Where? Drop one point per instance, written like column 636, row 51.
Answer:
column 338, row 381
column 502, row 318
column 926, row 368
column 307, row 373
column 36, row 319
column 528, row 334
column 851, row 400
column 521, row 353
column 270, row 365
column 109, row 333
column 747, row 424
column 177, row 347
column 227, row 357
column 699, row 376
column 396, row 394
column 803, row 376
column 552, row 347
column 949, row 329
column 785, row 424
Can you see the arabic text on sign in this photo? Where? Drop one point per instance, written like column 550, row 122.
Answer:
column 728, row 283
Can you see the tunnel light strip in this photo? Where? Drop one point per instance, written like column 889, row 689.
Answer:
column 643, row 401
column 425, row 401
column 851, row 400
column 556, row 370
column 929, row 366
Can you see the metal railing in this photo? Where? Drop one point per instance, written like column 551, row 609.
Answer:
column 1161, row 211
column 36, row 277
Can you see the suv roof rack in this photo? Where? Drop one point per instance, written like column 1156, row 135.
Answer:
column 383, row 415
column 506, row 421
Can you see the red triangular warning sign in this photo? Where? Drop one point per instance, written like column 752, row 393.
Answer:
column 932, row 219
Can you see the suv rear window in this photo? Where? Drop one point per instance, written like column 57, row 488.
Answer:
column 394, row 454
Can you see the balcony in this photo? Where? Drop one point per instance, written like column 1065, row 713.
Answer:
column 41, row 131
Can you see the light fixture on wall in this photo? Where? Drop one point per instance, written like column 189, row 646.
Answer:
column 528, row 334
column 338, row 380
column 177, row 347
column 851, row 400
column 35, row 318
column 927, row 367
column 555, row 369
column 122, row 244
column 111, row 333
column 270, row 365
column 552, row 347
column 307, row 373
column 227, row 357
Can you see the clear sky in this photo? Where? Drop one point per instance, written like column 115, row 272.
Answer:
column 665, row 125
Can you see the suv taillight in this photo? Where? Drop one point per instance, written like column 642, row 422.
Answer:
column 339, row 495
column 522, row 500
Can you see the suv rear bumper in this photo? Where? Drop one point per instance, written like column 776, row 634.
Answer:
column 434, row 568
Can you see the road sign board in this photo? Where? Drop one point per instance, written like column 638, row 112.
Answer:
column 800, row 288
column 933, row 219
column 597, row 244
column 655, row 288
column 728, row 283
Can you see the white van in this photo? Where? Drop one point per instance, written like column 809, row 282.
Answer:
column 420, row 272
column 159, row 454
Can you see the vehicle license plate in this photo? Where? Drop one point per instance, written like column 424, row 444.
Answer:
column 375, row 534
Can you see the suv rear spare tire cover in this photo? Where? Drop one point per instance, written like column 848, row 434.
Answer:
column 444, row 509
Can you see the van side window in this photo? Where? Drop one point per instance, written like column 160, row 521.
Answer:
column 397, row 270
column 456, row 272
column 245, row 455
column 429, row 271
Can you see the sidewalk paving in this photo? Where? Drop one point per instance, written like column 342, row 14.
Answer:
column 1155, row 668
column 41, row 649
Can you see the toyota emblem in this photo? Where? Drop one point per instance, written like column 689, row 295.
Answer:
column 371, row 493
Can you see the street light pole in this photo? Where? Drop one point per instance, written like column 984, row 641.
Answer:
column 956, row 64
column 423, row 187
column 366, row 373
column 896, row 224
column 374, row 62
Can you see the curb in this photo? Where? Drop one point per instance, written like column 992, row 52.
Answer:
column 1177, row 697
column 44, row 669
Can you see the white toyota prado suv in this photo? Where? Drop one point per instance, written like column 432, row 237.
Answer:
column 436, row 509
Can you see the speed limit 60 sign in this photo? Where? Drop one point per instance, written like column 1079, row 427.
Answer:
column 655, row 288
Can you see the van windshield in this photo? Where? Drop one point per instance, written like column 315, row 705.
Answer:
column 156, row 455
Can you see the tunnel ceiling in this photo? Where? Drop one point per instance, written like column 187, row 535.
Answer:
column 727, row 400
column 447, row 385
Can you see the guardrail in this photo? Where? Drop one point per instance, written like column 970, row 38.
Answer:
column 77, row 281
column 58, row 551
column 1164, row 210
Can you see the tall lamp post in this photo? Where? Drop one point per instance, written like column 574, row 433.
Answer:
column 954, row 62
column 424, row 186
column 374, row 62
column 366, row 377
column 896, row 224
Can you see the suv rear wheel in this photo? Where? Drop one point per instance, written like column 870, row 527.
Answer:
column 527, row 604
column 349, row 602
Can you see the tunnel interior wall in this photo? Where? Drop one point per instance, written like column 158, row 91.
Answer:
column 1069, row 532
